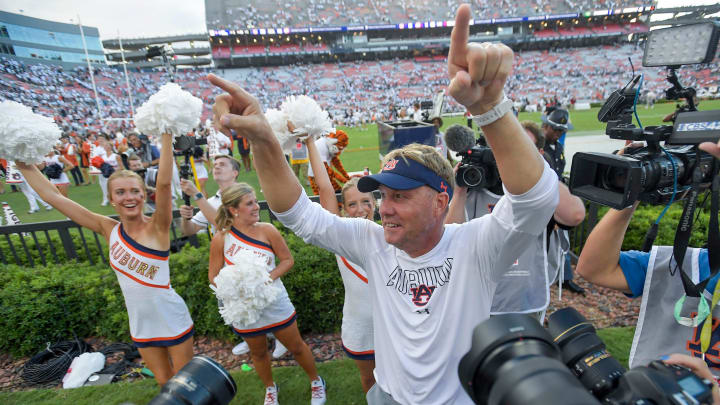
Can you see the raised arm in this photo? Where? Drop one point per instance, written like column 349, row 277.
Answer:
column 478, row 73
column 239, row 110
column 188, row 187
column 328, row 200
column 163, row 193
column 571, row 209
column 456, row 210
column 599, row 259
column 282, row 252
column 48, row 192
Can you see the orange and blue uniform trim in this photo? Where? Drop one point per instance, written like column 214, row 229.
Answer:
column 165, row 341
column 366, row 355
column 266, row 329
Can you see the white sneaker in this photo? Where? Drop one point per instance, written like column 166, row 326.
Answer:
column 104, row 203
column 317, row 392
column 279, row 350
column 242, row 348
column 271, row 395
column 48, row 208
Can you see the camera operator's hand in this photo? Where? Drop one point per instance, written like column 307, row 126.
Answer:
column 186, row 212
column 477, row 71
column 629, row 145
column 456, row 210
column 699, row 368
column 188, row 187
column 711, row 148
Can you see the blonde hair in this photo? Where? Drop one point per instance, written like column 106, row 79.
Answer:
column 125, row 174
column 231, row 197
column 427, row 156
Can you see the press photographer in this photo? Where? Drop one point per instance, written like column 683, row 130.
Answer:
column 478, row 189
column 513, row 360
column 675, row 282
column 141, row 146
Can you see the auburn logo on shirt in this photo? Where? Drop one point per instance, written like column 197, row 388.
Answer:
column 420, row 284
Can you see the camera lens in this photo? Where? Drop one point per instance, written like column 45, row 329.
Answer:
column 584, row 352
column 473, row 176
column 512, row 360
column 201, row 382
column 614, row 178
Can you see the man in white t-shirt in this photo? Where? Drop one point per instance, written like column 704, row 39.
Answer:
column 430, row 283
column 225, row 171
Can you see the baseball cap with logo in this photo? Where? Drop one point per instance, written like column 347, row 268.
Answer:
column 404, row 174
column 558, row 119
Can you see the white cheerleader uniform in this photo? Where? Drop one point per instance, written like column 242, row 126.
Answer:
column 278, row 315
column 158, row 315
column 63, row 180
column 357, row 324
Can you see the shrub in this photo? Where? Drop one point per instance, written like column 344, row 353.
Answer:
column 47, row 303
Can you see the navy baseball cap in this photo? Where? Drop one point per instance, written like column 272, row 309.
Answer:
column 404, row 174
column 558, row 119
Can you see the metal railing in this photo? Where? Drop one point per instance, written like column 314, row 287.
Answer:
column 56, row 241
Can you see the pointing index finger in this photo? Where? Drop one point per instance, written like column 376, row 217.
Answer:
column 230, row 87
column 459, row 36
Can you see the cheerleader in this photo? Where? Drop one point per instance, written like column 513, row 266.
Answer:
column 105, row 151
column 239, row 225
column 160, row 323
column 357, row 324
column 55, row 167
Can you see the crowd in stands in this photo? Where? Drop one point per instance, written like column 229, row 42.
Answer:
column 363, row 89
column 237, row 14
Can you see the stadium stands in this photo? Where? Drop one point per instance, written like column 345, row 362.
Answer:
column 237, row 14
column 363, row 88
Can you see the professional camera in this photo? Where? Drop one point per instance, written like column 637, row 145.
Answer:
column 513, row 360
column 478, row 168
column 187, row 146
column 201, row 382
column 149, row 174
column 653, row 174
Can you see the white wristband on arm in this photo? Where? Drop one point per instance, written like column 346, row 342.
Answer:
column 497, row 112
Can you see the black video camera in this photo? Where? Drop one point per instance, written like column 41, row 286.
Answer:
column 513, row 360
column 652, row 174
column 478, row 168
column 186, row 146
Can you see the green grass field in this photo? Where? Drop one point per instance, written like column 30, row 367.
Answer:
column 362, row 151
column 342, row 378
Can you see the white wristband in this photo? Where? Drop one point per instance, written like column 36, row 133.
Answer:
column 497, row 112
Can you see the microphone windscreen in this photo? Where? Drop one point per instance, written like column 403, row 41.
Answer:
column 459, row 138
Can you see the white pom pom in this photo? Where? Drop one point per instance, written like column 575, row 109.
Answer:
column 245, row 289
column 171, row 109
column 278, row 122
column 25, row 136
column 306, row 115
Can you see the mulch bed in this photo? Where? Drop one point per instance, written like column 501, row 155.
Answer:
column 602, row 306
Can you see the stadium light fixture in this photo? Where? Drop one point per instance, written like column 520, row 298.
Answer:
column 682, row 45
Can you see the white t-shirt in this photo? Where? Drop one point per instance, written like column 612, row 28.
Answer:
column 224, row 143
column 199, row 218
column 425, row 308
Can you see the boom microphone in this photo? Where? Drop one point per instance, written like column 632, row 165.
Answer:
column 459, row 138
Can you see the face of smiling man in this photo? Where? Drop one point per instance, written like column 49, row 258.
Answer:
column 411, row 219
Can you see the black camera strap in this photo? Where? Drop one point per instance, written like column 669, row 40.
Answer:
column 684, row 230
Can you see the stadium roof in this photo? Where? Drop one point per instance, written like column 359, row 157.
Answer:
column 139, row 43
